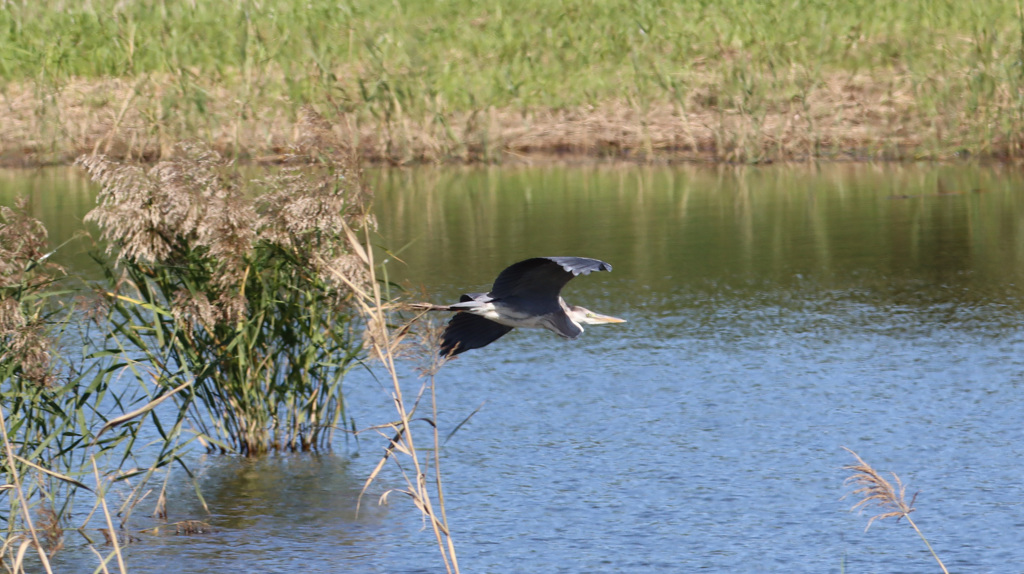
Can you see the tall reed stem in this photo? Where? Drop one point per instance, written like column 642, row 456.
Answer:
column 382, row 345
column 928, row 544
column 22, row 502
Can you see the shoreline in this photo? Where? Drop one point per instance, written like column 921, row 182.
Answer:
column 847, row 119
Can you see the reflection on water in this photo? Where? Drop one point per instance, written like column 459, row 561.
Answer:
column 271, row 515
column 775, row 315
column 844, row 225
column 60, row 198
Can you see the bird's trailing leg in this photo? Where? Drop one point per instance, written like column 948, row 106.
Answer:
column 429, row 307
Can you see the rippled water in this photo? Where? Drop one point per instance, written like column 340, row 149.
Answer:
column 775, row 315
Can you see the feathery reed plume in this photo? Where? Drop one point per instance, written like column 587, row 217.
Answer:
column 234, row 292
column 22, row 245
column 24, row 273
column 891, row 501
column 188, row 204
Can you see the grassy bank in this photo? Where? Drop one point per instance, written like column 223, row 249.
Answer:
column 408, row 81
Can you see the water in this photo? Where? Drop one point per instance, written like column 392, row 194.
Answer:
column 775, row 315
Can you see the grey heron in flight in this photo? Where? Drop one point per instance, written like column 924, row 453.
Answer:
column 525, row 294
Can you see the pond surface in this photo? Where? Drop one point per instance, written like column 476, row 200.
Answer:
column 775, row 315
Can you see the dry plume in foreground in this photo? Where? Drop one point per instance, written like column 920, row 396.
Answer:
column 889, row 500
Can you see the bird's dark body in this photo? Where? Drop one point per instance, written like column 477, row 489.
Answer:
column 526, row 294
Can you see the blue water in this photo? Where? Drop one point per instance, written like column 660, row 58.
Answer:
column 722, row 450
column 775, row 316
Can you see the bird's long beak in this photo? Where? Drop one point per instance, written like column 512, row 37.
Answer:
column 597, row 318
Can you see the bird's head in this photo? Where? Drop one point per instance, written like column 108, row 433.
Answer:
column 584, row 316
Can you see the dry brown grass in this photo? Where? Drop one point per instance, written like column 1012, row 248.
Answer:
column 845, row 116
column 875, row 491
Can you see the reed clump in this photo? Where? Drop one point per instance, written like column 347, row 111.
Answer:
column 890, row 500
column 226, row 299
column 237, row 314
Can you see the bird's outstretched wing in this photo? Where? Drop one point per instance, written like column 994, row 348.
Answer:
column 467, row 331
column 543, row 277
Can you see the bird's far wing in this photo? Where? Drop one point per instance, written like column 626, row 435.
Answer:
column 580, row 265
column 467, row 331
column 543, row 277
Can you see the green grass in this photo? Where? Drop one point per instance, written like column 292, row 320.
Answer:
column 431, row 61
column 527, row 53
